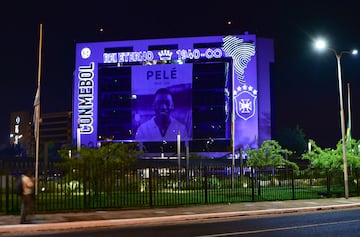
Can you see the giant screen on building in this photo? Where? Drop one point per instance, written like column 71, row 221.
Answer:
column 201, row 89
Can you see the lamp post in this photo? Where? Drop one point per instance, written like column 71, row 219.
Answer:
column 321, row 44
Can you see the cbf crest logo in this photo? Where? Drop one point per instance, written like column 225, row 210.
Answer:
column 245, row 101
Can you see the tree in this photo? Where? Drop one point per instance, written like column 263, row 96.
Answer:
column 352, row 153
column 96, row 166
column 270, row 154
column 322, row 158
column 332, row 159
column 116, row 154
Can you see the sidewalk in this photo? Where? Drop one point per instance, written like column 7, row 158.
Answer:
column 66, row 221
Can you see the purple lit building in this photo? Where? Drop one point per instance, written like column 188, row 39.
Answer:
column 220, row 89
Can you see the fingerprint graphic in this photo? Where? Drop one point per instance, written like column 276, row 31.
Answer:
column 241, row 53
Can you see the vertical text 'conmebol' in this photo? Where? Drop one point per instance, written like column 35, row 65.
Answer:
column 85, row 98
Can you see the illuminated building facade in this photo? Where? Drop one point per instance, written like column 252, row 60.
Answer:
column 55, row 131
column 20, row 133
column 220, row 89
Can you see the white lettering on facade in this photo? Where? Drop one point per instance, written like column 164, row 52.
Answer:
column 128, row 57
column 147, row 56
column 85, row 98
column 161, row 74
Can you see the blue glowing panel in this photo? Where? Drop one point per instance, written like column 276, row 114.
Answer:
column 162, row 102
column 245, row 83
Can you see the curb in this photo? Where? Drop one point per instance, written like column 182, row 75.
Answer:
column 61, row 226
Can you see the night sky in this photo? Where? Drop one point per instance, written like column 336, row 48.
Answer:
column 305, row 85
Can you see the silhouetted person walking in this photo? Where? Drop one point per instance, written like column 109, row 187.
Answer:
column 28, row 197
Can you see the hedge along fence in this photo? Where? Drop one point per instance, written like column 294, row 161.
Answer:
column 85, row 187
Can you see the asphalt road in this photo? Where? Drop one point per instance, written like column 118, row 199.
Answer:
column 325, row 223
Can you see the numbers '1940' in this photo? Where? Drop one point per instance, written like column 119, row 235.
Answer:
column 197, row 53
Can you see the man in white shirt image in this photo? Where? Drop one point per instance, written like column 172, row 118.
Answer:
column 162, row 127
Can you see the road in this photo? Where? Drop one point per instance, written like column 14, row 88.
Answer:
column 323, row 223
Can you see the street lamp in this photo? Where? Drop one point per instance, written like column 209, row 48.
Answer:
column 321, row 44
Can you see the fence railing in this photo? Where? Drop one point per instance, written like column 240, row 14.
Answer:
column 85, row 188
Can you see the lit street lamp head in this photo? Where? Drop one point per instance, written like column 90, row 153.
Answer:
column 320, row 44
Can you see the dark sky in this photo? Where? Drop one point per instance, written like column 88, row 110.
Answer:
column 305, row 85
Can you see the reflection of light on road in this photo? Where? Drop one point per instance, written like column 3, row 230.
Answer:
column 279, row 229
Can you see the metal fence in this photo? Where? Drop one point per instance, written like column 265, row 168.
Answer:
column 84, row 187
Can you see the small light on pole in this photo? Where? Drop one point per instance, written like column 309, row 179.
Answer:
column 322, row 44
column 179, row 158
column 78, row 137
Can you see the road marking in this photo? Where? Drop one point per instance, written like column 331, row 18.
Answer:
column 277, row 229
